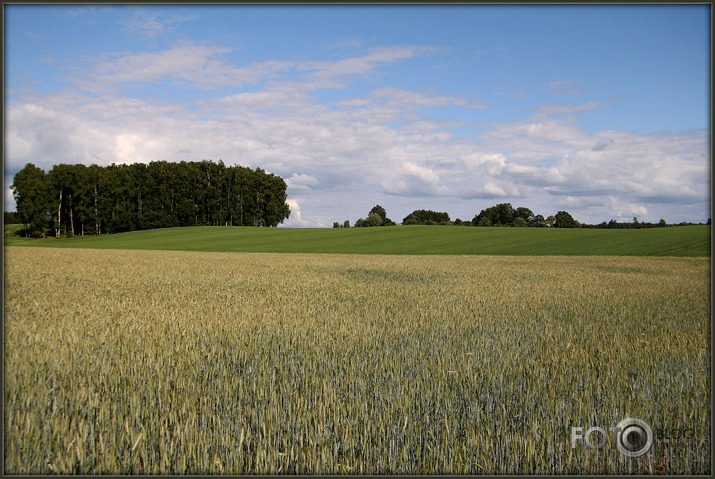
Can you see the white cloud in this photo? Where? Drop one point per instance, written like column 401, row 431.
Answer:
column 186, row 64
column 296, row 218
column 411, row 179
column 9, row 198
column 571, row 108
column 332, row 74
column 152, row 24
column 183, row 62
column 408, row 99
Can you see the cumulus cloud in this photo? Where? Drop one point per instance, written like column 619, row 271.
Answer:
column 296, row 218
column 411, row 179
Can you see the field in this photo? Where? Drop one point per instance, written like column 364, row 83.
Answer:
column 691, row 241
column 205, row 362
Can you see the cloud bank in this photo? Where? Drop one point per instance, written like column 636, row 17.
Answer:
column 340, row 151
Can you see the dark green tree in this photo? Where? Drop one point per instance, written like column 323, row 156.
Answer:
column 11, row 218
column 526, row 214
column 499, row 215
column 379, row 211
column 30, row 190
column 482, row 221
column 564, row 220
column 62, row 180
column 376, row 217
column 421, row 217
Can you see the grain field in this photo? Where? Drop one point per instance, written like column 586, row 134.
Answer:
column 182, row 362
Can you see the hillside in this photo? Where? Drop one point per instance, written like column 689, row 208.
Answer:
column 671, row 241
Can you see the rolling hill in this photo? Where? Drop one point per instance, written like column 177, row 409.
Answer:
column 671, row 241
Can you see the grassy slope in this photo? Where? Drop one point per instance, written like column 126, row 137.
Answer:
column 672, row 241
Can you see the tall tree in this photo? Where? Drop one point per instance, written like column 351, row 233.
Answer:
column 564, row 220
column 377, row 217
column 30, row 190
column 379, row 211
column 62, row 182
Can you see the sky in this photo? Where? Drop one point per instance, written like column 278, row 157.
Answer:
column 602, row 110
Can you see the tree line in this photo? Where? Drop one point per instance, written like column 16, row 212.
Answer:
column 502, row 214
column 80, row 200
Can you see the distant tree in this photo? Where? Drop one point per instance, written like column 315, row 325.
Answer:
column 30, row 190
column 346, row 224
column 360, row 223
column 116, row 198
column 539, row 221
column 422, row 217
column 550, row 220
column 376, row 217
column 62, row 183
column 486, row 217
column 499, row 215
column 526, row 214
column 458, row 222
column 505, row 214
column 564, row 220
column 483, row 221
column 379, row 211
column 336, row 224
column 520, row 222
column 11, row 218
column 662, row 223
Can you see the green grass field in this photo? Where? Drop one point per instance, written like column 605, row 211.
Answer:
column 691, row 241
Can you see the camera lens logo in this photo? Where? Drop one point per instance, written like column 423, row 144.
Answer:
column 634, row 437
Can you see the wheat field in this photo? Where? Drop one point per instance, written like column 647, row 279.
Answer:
column 229, row 363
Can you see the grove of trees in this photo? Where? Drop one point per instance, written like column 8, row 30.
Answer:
column 426, row 217
column 376, row 217
column 502, row 214
column 79, row 199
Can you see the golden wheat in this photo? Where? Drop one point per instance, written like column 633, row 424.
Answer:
column 177, row 362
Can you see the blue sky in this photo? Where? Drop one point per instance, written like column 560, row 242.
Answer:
column 603, row 111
